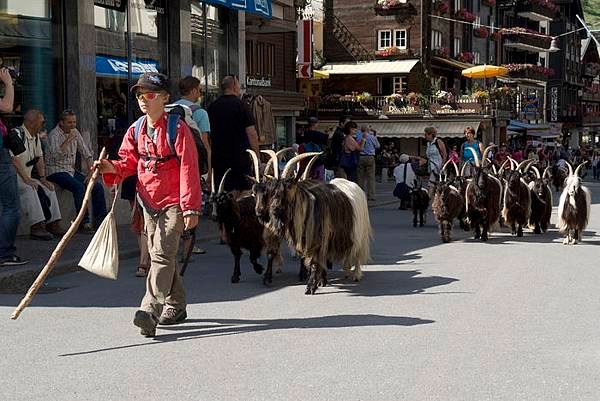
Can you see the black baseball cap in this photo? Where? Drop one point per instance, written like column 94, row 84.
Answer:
column 152, row 81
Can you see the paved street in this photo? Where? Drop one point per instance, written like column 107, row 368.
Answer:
column 505, row 320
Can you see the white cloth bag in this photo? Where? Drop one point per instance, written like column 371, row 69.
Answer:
column 102, row 255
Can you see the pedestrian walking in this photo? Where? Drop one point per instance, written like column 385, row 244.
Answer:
column 169, row 192
column 366, row 163
column 453, row 155
column 350, row 150
column 336, row 148
column 38, row 198
column 436, row 154
column 466, row 154
column 405, row 178
column 314, row 141
column 191, row 93
column 596, row 164
column 232, row 133
column 9, row 193
column 64, row 142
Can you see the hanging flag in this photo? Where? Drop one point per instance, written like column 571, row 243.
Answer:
column 305, row 50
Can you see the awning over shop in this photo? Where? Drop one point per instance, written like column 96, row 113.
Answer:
column 117, row 67
column 538, row 130
column 259, row 7
column 414, row 129
column 374, row 67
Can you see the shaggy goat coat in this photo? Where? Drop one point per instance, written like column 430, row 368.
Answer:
column 574, row 206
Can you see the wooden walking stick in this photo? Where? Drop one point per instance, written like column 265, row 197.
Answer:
column 61, row 245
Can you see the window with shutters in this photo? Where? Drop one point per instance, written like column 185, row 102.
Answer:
column 436, row 39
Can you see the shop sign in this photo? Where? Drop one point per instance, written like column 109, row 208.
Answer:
column 119, row 67
column 260, row 7
column 119, row 5
column 156, row 5
column 305, row 49
column 463, row 108
column 554, row 103
column 263, row 82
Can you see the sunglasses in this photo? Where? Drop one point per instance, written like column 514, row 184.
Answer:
column 147, row 96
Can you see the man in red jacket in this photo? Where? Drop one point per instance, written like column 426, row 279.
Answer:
column 169, row 191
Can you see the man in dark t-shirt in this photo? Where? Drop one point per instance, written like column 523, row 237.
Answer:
column 232, row 133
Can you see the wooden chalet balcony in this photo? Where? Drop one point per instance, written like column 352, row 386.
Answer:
column 527, row 42
column 536, row 11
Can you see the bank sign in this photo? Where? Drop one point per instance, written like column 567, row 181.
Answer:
column 260, row 7
column 119, row 5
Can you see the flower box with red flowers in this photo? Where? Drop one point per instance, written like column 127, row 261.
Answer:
column 442, row 6
column 465, row 15
column 466, row 57
column 441, row 52
column 527, row 37
column 531, row 71
column 489, row 3
column 388, row 52
column 481, row 32
column 540, row 7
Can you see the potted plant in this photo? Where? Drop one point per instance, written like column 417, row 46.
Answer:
column 442, row 6
column 481, row 32
column 466, row 57
column 441, row 52
column 465, row 15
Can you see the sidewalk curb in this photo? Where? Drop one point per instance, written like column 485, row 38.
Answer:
column 9, row 279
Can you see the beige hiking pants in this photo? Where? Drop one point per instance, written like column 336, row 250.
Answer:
column 164, row 285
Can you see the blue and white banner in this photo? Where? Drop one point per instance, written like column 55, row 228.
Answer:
column 113, row 66
column 259, row 7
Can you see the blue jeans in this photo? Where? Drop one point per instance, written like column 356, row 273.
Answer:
column 9, row 199
column 76, row 185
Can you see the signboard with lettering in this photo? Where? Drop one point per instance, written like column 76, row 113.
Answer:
column 118, row 5
column 263, row 82
column 554, row 103
column 462, row 108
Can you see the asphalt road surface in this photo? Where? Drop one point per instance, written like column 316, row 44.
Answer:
column 512, row 319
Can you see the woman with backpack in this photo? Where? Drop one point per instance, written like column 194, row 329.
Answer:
column 405, row 177
column 470, row 143
column 350, row 151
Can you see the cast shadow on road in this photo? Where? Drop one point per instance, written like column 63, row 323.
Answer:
column 191, row 330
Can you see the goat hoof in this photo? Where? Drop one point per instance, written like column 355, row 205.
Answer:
column 235, row 279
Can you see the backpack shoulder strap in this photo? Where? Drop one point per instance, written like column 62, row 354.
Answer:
column 172, row 131
column 194, row 108
column 405, row 168
column 137, row 128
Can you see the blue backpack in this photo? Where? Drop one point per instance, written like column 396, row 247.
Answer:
column 173, row 120
column 311, row 147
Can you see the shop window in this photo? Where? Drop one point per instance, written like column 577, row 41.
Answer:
column 400, row 38
column 26, row 8
column 115, row 106
column 389, row 85
column 384, row 39
column 31, row 44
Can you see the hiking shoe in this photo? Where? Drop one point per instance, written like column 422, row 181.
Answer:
column 13, row 261
column 172, row 316
column 198, row 251
column 38, row 232
column 146, row 322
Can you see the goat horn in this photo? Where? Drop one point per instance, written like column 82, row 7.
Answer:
column 520, row 165
column 256, row 164
column 274, row 160
column 444, row 166
column 212, row 182
column 476, row 157
column 294, row 160
column 535, row 170
column 222, row 183
column 570, row 168
column 501, row 171
column 486, row 151
column 309, row 166
column 546, row 172
column 513, row 163
column 579, row 168
column 455, row 168
column 494, row 170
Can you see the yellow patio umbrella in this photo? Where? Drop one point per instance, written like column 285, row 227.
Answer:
column 485, row 71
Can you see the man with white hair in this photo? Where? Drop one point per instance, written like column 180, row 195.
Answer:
column 39, row 204
column 405, row 178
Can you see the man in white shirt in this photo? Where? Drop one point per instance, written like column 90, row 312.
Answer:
column 44, row 220
column 64, row 142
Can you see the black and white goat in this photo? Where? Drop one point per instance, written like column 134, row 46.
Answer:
column 483, row 199
column 315, row 219
column 574, row 207
column 541, row 201
column 516, row 208
column 448, row 203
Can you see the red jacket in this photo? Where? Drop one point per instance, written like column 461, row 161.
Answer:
column 164, row 183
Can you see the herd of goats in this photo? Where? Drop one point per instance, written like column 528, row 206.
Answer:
column 314, row 217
